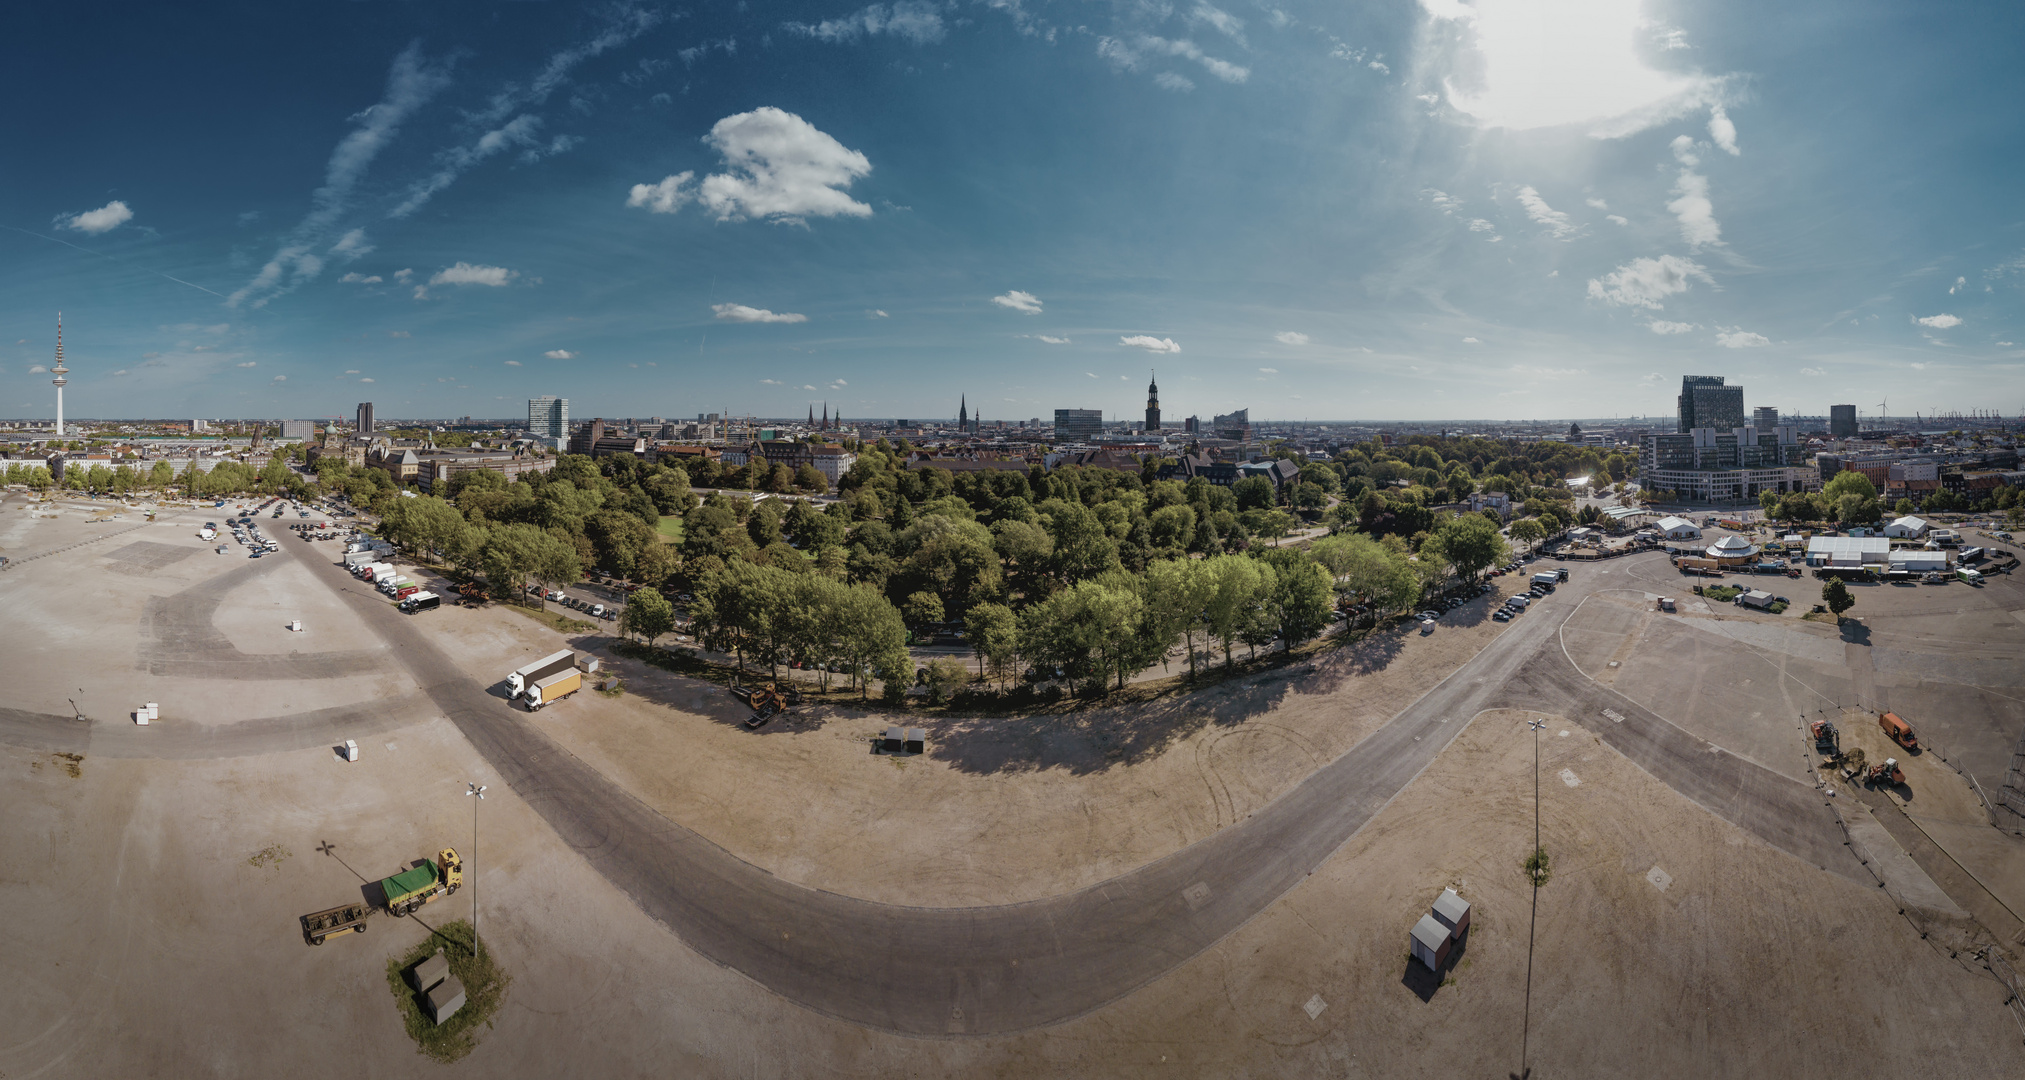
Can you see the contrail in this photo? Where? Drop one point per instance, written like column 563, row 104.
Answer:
column 122, row 262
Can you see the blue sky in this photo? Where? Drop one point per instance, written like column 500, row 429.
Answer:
column 1397, row 210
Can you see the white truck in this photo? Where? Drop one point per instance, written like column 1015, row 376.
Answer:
column 553, row 688
column 518, row 680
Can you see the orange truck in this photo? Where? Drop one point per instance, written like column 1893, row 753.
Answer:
column 1897, row 730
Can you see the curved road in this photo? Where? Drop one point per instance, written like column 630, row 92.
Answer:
column 990, row 970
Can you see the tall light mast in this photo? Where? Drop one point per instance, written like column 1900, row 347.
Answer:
column 59, row 371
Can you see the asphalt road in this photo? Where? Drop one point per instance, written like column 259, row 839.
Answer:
column 987, row 970
column 990, row 970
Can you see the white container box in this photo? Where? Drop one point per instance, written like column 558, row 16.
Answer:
column 351, row 749
column 154, row 711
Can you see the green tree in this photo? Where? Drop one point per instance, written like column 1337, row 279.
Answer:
column 922, row 609
column 1299, row 602
column 1177, row 593
column 1254, row 493
column 648, row 614
column 1838, row 598
column 1172, row 527
column 1528, row 531
column 1239, row 585
column 994, row 637
column 1470, row 544
column 1848, row 482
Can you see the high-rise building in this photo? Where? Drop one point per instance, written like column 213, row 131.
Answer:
column 197, row 426
column 365, row 420
column 298, row 429
column 1233, row 425
column 1842, row 421
column 1764, row 418
column 1152, row 404
column 1079, row 425
column 1706, row 403
column 548, row 419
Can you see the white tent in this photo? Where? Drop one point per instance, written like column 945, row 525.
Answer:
column 1906, row 528
column 1674, row 528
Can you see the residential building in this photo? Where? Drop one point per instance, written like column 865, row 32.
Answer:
column 298, row 429
column 1842, row 421
column 548, row 419
column 433, row 467
column 1079, row 425
column 197, row 426
column 365, row 418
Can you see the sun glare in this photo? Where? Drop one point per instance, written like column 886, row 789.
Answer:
column 1545, row 63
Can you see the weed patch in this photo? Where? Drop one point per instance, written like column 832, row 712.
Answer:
column 484, row 988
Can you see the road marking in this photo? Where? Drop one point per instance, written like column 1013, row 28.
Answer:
column 1196, row 895
column 1660, row 879
column 1564, row 733
column 1569, row 778
column 1614, row 715
column 1315, row 1006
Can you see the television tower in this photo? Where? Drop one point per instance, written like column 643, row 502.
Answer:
column 59, row 371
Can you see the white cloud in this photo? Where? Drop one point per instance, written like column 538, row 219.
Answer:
column 102, row 220
column 361, row 279
column 1537, row 209
column 1046, row 340
column 1442, row 200
column 1723, row 130
column 1480, row 225
column 1661, row 326
column 352, row 371
column 1263, row 371
column 1683, row 147
column 512, row 363
column 465, row 273
column 1168, row 80
column 665, row 197
column 523, row 130
column 1645, row 282
column 1471, row 341
column 1380, row 67
column 399, row 333
column 834, row 383
column 37, row 369
column 1960, row 283
column 281, row 378
column 121, row 371
column 915, row 20
column 1698, row 225
column 560, row 354
column 1225, row 23
column 1597, row 203
column 1546, row 63
column 352, row 245
column 739, row 313
column 1738, row 338
column 1150, row 343
column 773, row 382
column 782, row 169
column 1615, row 219
column 365, row 380
column 1291, row 337
column 250, row 363
column 1091, row 374
column 1940, row 322
column 410, row 84
column 2004, row 344
column 1025, row 302
column 402, row 276
column 875, row 313
column 1131, row 56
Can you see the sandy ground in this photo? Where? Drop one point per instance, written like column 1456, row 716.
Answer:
column 142, row 941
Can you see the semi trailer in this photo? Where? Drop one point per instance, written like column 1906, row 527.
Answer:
column 519, row 680
column 554, row 688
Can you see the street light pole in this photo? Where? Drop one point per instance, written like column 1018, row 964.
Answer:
column 479, row 791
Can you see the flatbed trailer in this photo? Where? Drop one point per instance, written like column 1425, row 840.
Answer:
column 318, row 925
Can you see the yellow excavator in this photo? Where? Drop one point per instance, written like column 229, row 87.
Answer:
column 766, row 701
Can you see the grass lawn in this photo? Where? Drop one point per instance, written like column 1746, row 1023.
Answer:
column 556, row 621
column 1722, row 594
column 670, row 529
column 484, row 987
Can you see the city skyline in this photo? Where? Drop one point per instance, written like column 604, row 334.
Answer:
column 1309, row 212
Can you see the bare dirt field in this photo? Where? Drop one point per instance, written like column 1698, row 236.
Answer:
column 153, row 895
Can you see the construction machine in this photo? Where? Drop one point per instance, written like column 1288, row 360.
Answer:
column 1827, row 740
column 1886, row 772
column 766, row 701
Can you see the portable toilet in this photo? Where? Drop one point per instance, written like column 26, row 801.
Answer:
column 351, row 749
column 154, row 711
column 1429, row 942
column 296, row 626
column 895, row 741
column 917, row 740
column 141, row 716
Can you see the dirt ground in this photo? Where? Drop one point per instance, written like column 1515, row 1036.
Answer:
column 152, row 903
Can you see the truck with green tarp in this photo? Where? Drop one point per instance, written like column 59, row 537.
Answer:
column 412, row 888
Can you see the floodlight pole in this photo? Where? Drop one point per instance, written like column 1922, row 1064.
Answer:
column 1526, row 1028
column 479, row 791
